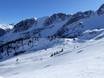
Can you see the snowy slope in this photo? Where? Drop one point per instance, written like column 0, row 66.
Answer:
column 56, row 46
column 78, row 60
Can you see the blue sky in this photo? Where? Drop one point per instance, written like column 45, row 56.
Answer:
column 11, row 11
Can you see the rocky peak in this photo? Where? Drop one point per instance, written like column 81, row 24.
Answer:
column 88, row 13
column 100, row 11
column 60, row 16
column 79, row 15
column 24, row 25
column 55, row 17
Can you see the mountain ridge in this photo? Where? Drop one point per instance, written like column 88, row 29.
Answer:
column 81, row 26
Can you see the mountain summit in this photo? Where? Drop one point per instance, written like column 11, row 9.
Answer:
column 81, row 26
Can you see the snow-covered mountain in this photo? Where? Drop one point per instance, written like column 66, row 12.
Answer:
column 56, row 46
column 6, row 26
column 80, row 26
column 58, row 25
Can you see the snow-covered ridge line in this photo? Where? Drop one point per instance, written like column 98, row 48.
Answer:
column 5, row 26
column 81, row 26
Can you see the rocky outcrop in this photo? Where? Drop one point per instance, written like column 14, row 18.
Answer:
column 24, row 25
column 54, row 18
column 2, row 32
column 100, row 11
column 79, row 15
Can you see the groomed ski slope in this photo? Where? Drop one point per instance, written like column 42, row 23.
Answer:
column 78, row 60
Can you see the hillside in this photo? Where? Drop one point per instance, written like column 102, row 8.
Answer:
column 56, row 46
column 78, row 60
column 80, row 26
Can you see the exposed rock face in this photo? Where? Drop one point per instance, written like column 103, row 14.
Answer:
column 60, row 25
column 55, row 17
column 74, row 18
column 88, row 13
column 2, row 32
column 79, row 15
column 24, row 25
column 4, row 28
column 100, row 11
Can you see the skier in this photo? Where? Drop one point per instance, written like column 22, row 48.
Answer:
column 61, row 50
column 17, row 60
